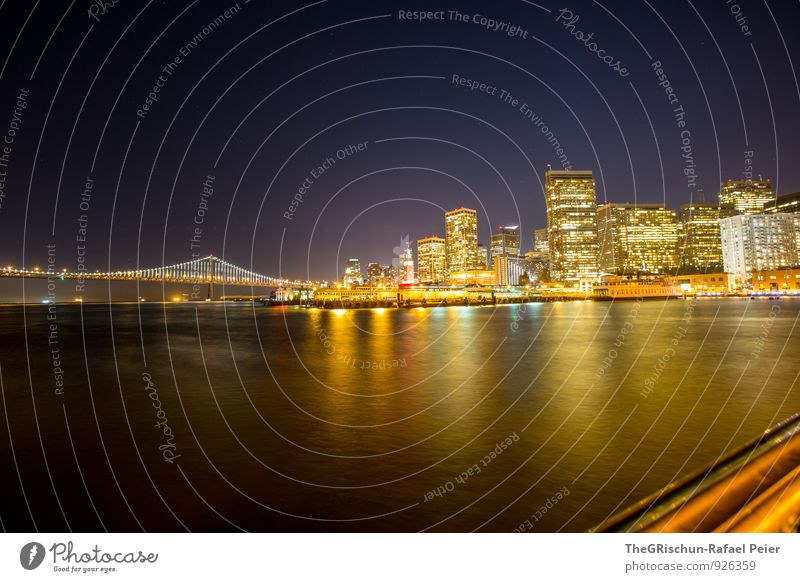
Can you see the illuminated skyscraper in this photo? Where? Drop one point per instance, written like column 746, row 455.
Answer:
column 785, row 203
column 537, row 266
column 461, row 233
column 540, row 240
column 571, row 224
column 390, row 275
column 374, row 274
column 744, row 197
column 432, row 259
column 758, row 242
column 699, row 242
column 538, row 259
column 352, row 274
column 483, row 257
column 408, row 267
column 505, row 243
column 636, row 237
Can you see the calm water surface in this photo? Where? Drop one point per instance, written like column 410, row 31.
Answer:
column 315, row 420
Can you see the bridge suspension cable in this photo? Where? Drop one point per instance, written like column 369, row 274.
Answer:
column 206, row 270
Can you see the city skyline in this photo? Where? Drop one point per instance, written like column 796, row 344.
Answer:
column 631, row 238
column 695, row 254
column 692, row 228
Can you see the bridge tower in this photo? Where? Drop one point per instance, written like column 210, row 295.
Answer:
column 211, row 277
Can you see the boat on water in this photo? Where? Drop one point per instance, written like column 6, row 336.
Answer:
column 612, row 287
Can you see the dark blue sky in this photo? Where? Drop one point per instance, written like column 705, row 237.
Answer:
column 261, row 100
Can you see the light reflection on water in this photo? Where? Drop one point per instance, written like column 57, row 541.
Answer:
column 343, row 415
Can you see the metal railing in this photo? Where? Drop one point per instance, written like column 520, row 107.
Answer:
column 755, row 488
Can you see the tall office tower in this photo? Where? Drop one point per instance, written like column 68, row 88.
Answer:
column 571, row 224
column 483, row 257
column 758, row 242
column 352, row 274
column 374, row 274
column 744, row 197
column 390, row 275
column 505, row 243
column 797, row 234
column 461, row 234
column 432, row 259
column 538, row 259
column 408, row 267
column 636, row 237
column 785, row 203
column 699, row 242
column 540, row 240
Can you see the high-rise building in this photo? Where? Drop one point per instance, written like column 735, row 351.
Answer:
column 352, row 274
column 699, row 242
column 508, row 270
column 409, row 277
column 505, row 243
column 785, row 203
column 432, row 259
column 571, row 224
column 758, row 242
column 538, row 259
column 540, row 240
column 636, row 237
column 483, row 257
column 461, row 234
column 374, row 274
column 744, row 197
column 391, row 276
column 537, row 262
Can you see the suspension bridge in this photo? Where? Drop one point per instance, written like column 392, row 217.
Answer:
column 208, row 270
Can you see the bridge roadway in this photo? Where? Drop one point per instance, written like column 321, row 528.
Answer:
column 165, row 279
column 208, row 270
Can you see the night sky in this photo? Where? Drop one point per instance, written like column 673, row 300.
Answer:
column 259, row 101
